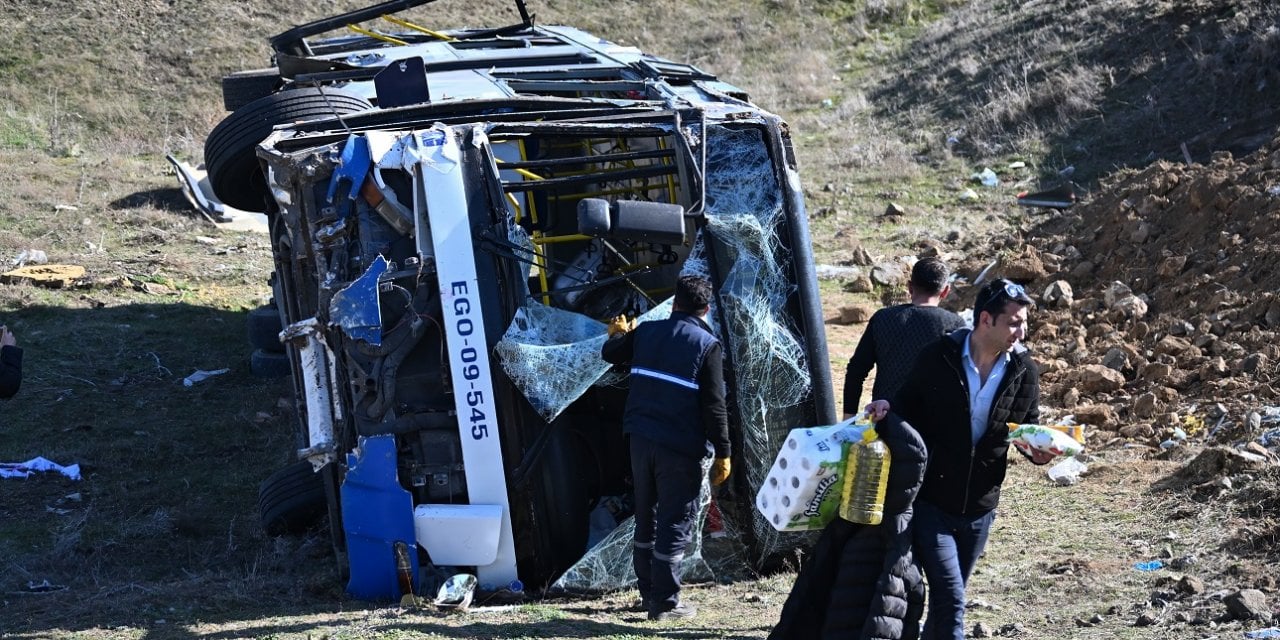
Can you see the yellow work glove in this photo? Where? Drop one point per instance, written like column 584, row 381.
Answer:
column 720, row 471
column 620, row 324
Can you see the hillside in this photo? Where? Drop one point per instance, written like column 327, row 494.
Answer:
column 889, row 101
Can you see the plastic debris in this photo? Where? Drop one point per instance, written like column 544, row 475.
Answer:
column 457, row 592
column 30, row 256
column 835, row 272
column 201, row 375
column 35, row 465
column 987, row 177
column 1150, row 565
column 1068, row 472
column 968, row 195
column 1269, row 632
column 1177, row 438
column 1029, row 437
column 44, row 586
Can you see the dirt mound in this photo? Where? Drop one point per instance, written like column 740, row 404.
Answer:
column 1158, row 300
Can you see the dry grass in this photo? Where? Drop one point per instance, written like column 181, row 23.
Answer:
column 1091, row 86
column 163, row 540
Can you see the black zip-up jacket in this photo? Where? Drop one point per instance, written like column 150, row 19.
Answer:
column 962, row 478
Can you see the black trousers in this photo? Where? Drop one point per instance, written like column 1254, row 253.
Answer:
column 667, row 485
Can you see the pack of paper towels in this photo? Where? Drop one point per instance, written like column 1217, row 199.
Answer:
column 802, row 490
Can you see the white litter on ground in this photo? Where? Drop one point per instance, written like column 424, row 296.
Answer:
column 34, row 465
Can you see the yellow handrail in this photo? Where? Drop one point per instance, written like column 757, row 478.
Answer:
column 420, row 29
column 375, row 35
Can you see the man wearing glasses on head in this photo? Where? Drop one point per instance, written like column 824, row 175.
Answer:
column 960, row 395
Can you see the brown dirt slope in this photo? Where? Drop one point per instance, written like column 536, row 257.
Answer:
column 1173, row 314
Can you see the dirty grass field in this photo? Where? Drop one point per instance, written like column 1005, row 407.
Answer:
column 160, row 539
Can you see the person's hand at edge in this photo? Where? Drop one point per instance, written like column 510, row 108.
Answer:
column 877, row 410
column 620, row 325
column 720, row 470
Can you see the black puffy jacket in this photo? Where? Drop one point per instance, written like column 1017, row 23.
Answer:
column 963, row 478
column 862, row 581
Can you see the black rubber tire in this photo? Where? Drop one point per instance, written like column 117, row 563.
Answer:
column 242, row 87
column 265, row 364
column 230, row 151
column 264, row 328
column 292, row 500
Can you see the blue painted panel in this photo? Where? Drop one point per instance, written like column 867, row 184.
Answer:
column 376, row 512
column 356, row 310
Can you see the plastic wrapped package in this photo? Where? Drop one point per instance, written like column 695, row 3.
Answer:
column 803, row 488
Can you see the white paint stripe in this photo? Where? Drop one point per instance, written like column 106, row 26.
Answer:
column 440, row 170
column 658, row 375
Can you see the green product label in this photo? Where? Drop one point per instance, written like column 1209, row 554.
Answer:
column 825, row 503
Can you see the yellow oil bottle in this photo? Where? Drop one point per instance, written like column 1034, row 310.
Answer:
column 866, row 479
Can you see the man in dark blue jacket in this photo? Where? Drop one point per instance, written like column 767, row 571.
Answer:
column 675, row 414
column 10, row 363
column 963, row 391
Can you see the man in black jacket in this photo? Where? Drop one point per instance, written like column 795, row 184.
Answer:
column 960, row 395
column 675, row 415
column 895, row 335
column 861, row 581
column 10, row 363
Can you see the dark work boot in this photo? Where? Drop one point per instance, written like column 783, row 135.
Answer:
column 682, row 611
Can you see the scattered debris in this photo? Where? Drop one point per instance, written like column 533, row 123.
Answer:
column 456, row 592
column 54, row 276
column 200, row 375
column 986, row 177
column 44, row 586
column 30, row 256
column 37, row 464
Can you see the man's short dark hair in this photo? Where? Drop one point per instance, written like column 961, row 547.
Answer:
column 693, row 293
column 930, row 276
column 994, row 295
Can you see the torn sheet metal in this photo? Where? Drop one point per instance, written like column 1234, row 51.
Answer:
column 376, row 514
column 356, row 308
column 194, row 183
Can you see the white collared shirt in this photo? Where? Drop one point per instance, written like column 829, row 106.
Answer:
column 981, row 394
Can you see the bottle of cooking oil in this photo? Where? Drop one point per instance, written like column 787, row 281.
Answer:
column 866, row 479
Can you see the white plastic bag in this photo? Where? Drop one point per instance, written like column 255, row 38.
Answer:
column 1068, row 472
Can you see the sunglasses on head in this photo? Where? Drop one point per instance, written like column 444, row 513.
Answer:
column 1011, row 291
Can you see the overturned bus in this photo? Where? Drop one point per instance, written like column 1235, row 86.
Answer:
column 453, row 213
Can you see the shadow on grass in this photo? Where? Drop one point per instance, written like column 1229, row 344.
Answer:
column 161, row 538
column 167, row 199
column 164, row 519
